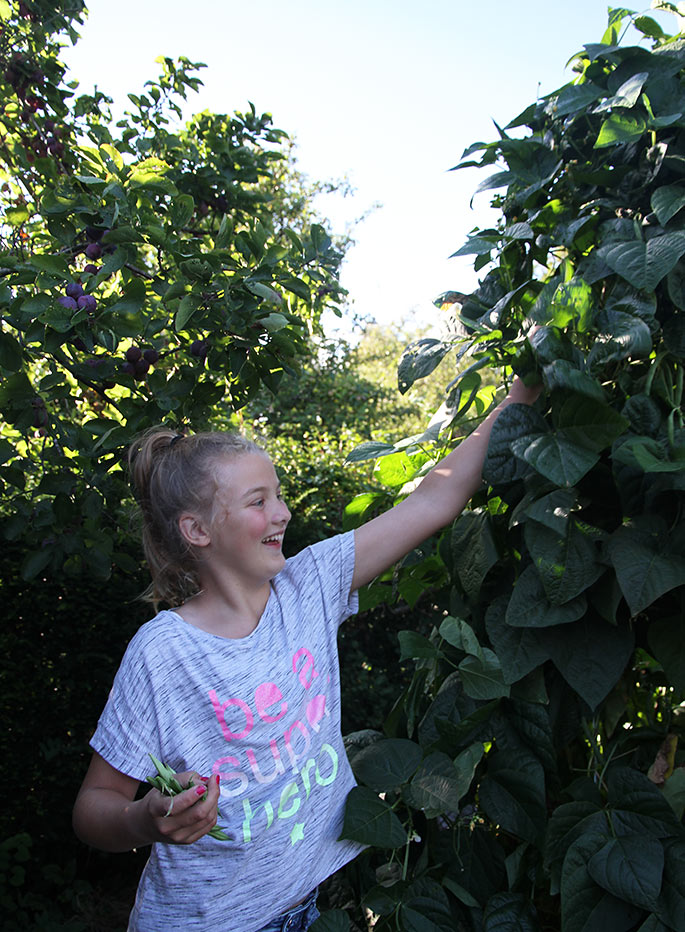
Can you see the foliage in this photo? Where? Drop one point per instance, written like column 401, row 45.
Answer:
column 149, row 272
column 530, row 776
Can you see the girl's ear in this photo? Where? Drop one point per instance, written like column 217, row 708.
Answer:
column 193, row 530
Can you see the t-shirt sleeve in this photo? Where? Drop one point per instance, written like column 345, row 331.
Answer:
column 334, row 559
column 128, row 729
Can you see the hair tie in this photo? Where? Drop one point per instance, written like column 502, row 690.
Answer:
column 175, row 439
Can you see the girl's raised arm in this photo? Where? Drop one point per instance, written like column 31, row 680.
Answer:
column 436, row 502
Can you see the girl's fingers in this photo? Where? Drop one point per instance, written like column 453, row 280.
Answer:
column 184, row 818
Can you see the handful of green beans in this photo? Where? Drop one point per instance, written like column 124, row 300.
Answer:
column 168, row 785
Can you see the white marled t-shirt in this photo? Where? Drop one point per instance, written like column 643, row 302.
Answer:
column 264, row 713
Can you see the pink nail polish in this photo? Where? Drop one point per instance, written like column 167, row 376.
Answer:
column 217, row 778
column 200, row 790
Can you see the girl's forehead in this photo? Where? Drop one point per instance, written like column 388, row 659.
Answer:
column 239, row 473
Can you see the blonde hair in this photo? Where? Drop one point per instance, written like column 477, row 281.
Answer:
column 173, row 474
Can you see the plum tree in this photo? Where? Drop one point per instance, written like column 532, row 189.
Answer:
column 162, row 242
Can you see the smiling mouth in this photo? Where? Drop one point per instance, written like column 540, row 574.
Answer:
column 275, row 539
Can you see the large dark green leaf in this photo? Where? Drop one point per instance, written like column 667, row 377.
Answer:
column 370, row 820
column 529, row 607
column 474, row 549
column 386, row 764
column 418, row 360
column 331, row 920
column 631, row 868
column 566, row 561
column 514, row 422
column 671, row 906
column 667, row 201
column 556, row 457
column 510, row 912
column 638, row 806
column 482, row 676
column 437, row 786
column 621, row 128
column 646, row 563
column 590, row 654
column 666, row 637
column 585, row 906
column 513, row 794
column 519, row 649
column 562, row 374
column 425, row 914
column 569, row 822
column 645, row 264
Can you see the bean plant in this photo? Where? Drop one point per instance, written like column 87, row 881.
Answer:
column 530, row 777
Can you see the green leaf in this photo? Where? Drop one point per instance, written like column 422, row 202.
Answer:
column 474, row 549
column 413, row 644
column 186, row 308
column 132, row 300
column 666, row 638
column 638, row 806
column 387, row 764
column 556, row 456
column 435, row 787
column 667, row 201
column 513, row 794
column 370, row 821
column 649, row 27
column 562, row 374
column 572, row 304
column 621, row 128
column 482, row 676
column 520, row 650
column 514, row 422
column 460, row 634
column 671, row 906
column 566, row 559
column 645, row 264
column 510, row 912
column 631, row 868
column 181, row 210
column 627, row 95
column 11, row 358
column 674, row 792
column 569, row 822
column 590, row 654
column 426, row 914
column 35, row 563
column 418, row 360
column 530, row 608
column 263, row 291
column 369, row 450
column 586, row 907
column 331, row 920
column 646, row 563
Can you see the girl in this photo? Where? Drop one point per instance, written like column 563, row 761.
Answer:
column 238, row 687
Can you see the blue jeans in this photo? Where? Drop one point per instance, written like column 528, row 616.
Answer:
column 297, row 919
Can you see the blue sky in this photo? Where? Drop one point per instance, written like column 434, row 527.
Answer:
column 385, row 92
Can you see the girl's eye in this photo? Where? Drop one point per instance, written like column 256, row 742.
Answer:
column 259, row 501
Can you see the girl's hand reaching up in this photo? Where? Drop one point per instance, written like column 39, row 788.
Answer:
column 184, row 817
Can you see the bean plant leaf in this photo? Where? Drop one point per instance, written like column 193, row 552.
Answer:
column 667, row 201
column 621, row 128
column 482, row 676
column 585, row 906
column 666, row 638
column 369, row 820
column 671, row 905
column 590, row 654
column 529, row 607
column 474, row 549
column 426, row 914
column 435, row 787
column 566, row 560
column 520, row 650
column 387, row 764
column 419, row 359
column 331, row 920
column 509, row 912
column 512, row 794
column 515, row 421
column 630, row 867
column 645, row 264
column 646, row 563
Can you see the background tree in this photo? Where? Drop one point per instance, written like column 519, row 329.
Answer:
column 531, row 773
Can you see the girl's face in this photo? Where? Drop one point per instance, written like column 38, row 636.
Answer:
column 248, row 517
